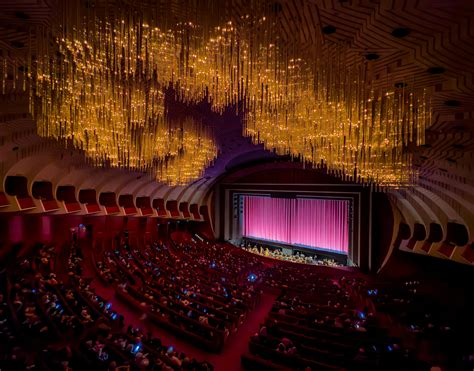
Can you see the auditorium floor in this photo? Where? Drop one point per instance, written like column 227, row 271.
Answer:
column 237, row 343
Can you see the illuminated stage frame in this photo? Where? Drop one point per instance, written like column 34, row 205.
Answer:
column 228, row 212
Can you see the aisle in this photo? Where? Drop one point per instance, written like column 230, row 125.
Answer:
column 238, row 342
column 236, row 345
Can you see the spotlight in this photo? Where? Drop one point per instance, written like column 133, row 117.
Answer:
column 400, row 85
column 436, row 70
column 400, row 32
column 372, row 56
column 452, row 103
column 328, row 30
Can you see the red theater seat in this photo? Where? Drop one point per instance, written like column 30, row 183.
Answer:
column 112, row 209
column 147, row 211
column 50, row 205
column 411, row 244
column 3, row 200
column 130, row 210
column 175, row 213
column 469, row 253
column 26, row 203
column 446, row 249
column 426, row 246
column 162, row 212
column 93, row 208
column 72, row 207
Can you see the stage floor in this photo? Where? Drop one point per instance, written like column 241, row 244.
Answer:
column 341, row 258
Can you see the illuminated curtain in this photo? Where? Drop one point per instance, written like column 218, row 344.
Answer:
column 316, row 223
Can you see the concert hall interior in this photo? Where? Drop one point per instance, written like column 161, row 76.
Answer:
column 237, row 185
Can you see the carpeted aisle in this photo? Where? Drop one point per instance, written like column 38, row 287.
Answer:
column 236, row 345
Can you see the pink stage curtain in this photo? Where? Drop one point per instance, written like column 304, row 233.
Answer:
column 266, row 217
column 320, row 223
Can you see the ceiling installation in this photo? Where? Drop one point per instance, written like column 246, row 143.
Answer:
column 98, row 78
column 403, row 55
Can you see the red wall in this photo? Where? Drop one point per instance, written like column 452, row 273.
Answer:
column 30, row 229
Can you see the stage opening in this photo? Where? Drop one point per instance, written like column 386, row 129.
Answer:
column 314, row 223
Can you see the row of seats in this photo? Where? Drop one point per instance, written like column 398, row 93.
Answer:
column 323, row 318
column 197, row 290
column 318, row 322
column 430, row 323
column 52, row 319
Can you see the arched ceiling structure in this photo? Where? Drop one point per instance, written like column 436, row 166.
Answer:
column 428, row 43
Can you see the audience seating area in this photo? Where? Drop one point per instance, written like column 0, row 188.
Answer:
column 197, row 290
column 51, row 319
column 426, row 322
column 323, row 318
column 320, row 321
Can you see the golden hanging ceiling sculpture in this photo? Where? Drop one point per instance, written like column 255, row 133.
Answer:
column 103, row 92
column 328, row 112
column 101, row 85
column 328, row 115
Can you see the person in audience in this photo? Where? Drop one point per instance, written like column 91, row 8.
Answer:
column 292, row 351
column 286, row 342
column 281, row 348
column 175, row 360
column 199, row 288
column 204, row 320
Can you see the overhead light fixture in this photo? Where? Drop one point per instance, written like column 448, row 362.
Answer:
column 100, row 87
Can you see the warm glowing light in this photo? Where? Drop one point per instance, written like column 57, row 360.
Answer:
column 104, row 95
column 100, row 86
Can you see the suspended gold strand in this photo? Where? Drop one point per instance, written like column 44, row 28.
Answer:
column 100, row 87
column 101, row 92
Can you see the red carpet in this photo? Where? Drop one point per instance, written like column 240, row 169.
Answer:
column 236, row 345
